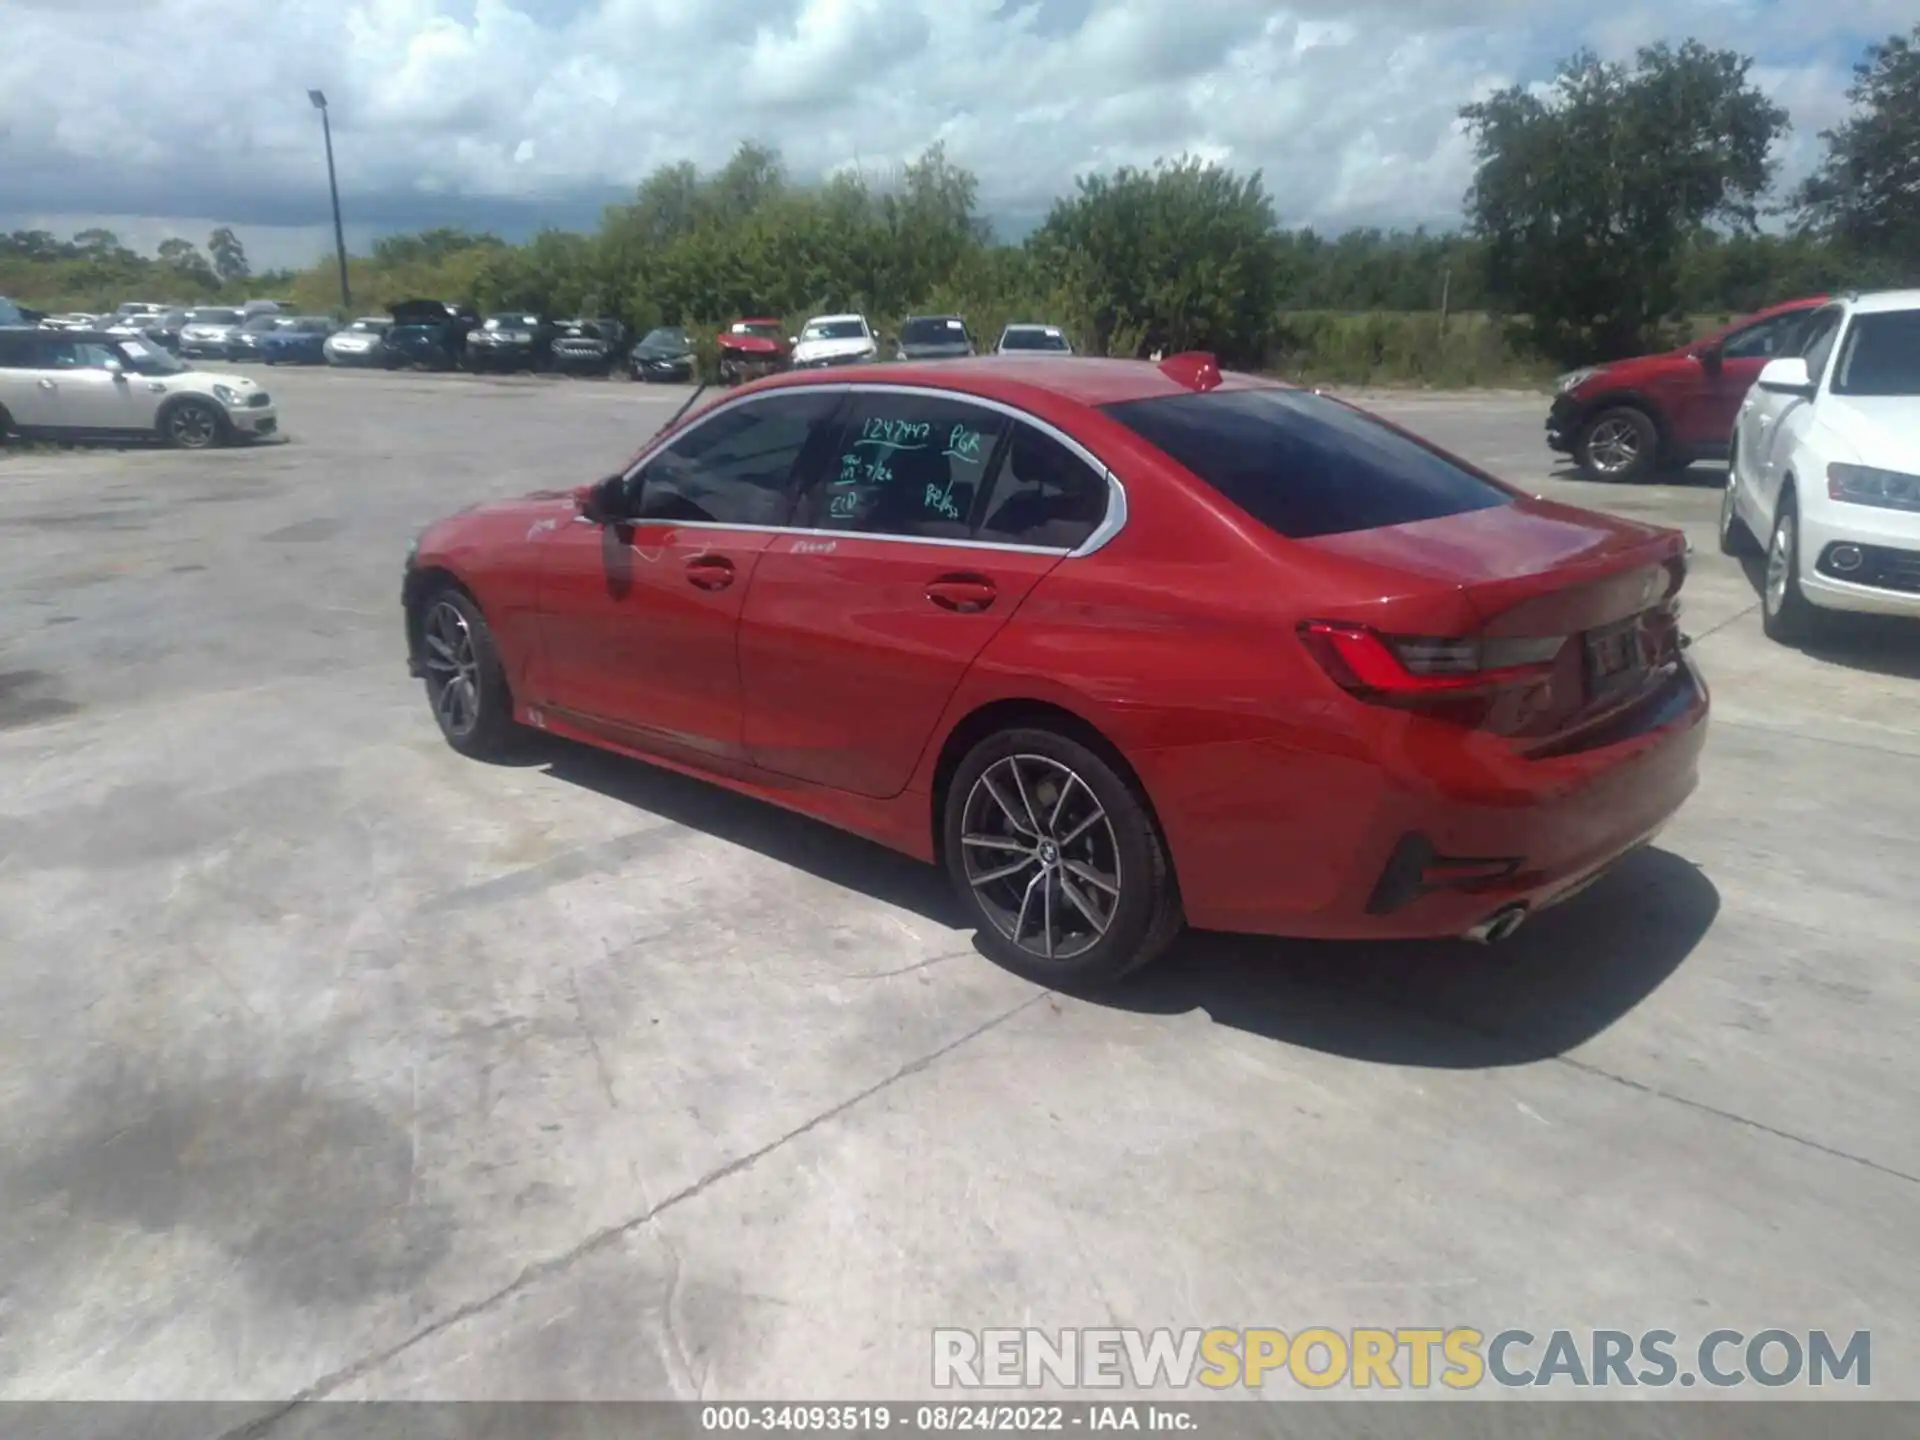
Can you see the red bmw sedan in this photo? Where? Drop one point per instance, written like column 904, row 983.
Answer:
column 1122, row 646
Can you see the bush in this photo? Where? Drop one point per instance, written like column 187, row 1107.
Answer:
column 1385, row 347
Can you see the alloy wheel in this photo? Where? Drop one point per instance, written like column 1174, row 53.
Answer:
column 1614, row 446
column 192, row 426
column 1780, row 563
column 453, row 672
column 1041, row 855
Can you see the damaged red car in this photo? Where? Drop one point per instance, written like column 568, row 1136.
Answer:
column 1121, row 646
column 752, row 349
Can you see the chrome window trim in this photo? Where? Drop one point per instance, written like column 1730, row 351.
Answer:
column 1114, row 522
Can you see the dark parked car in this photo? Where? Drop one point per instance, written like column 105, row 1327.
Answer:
column 511, row 340
column 299, row 340
column 165, row 329
column 933, row 337
column 247, row 340
column 589, row 345
column 428, row 333
column 664, row 355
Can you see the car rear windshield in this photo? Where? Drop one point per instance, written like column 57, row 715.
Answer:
column 1033, row 339
column 216, row 317
column 1304, row 465
column 940, row 331
column 1881, row 355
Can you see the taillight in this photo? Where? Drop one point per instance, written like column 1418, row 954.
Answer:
column 1403, row 667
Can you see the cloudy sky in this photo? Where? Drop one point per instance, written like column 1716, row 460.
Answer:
column 164, row 117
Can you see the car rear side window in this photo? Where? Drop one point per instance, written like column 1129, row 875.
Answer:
column 905, row 464
column 1043, row 494
column 1304, row 465
column 734, row 469
column 17, row 351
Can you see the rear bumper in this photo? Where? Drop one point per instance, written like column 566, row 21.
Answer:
column 1269, row 837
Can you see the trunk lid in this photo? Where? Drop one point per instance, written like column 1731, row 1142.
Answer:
column 1539, row 570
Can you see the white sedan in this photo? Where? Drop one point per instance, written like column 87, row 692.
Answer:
column 1825, row 462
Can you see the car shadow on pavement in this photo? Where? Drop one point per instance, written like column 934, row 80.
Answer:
column 1876, row 644
column 1555, row 984
column 792, row 839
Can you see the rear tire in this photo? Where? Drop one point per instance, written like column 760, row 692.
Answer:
column 466, row 683
column 1057, row 861
column 1786, row 614
column 1619, row 444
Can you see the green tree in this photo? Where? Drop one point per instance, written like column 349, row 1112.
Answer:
column 229, row 255
column 1866, row 193
column 97, row 243
column 1587, row 197
column 187, row 263
column 1180, row 257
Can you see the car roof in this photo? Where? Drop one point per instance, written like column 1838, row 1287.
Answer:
column 1034, row 325
column 1879, row 302
column 1081, row 379
column 828, row 319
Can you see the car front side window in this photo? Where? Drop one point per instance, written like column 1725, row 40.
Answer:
column 1763, row 340
column 1816, row 343
column 905, row 464
column 735, row 468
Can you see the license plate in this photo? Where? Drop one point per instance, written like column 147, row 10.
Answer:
column 1615, row 655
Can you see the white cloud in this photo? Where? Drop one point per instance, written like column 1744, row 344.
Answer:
column 512, row 112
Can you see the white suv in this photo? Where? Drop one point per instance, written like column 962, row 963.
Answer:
column 78, row 384
column 1825, row 462
column 834, row 340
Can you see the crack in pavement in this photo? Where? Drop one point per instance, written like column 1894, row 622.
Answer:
column 543, row 1269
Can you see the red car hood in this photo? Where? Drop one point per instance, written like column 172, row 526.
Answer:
column 752, row 344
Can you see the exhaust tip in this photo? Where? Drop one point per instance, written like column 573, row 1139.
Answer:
column 1498, row 926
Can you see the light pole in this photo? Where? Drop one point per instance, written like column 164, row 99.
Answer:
column 333, row 187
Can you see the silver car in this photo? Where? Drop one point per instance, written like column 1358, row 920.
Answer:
column 210, row 331
column 360, row 343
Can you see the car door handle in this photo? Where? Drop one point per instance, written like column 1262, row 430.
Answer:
column 968, row 594
column 710, row 572
column 48, row 385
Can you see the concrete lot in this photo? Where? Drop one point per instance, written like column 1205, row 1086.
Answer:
column 334, row 1064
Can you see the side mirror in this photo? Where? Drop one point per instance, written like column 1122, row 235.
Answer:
column 1788, row 376
column 1709, row 356
column 600, row 502
column 791, row 340
column 115, row 368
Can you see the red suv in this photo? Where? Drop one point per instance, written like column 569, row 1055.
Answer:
column 1625, row 420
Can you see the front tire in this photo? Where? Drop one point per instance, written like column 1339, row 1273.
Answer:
column 193, row 425
column 1058, row 861
column 1735, row 538
column 1786, row 614
column 466, row 683
column 1619, row 444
